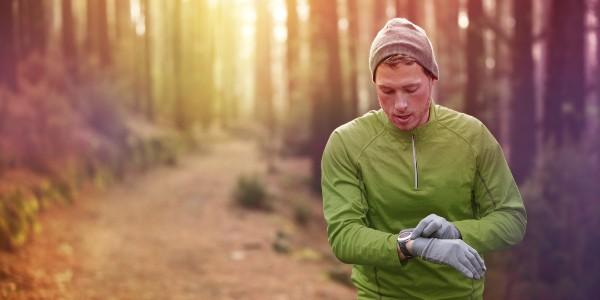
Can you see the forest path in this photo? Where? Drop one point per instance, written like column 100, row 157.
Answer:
column 172, row 233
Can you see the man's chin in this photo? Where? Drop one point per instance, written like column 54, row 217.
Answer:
column 404, row 126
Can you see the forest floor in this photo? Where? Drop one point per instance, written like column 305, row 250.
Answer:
column 174, row 233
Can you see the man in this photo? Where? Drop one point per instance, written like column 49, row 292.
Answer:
column 415, row 194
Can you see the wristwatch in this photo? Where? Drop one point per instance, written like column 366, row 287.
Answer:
column 403, row 238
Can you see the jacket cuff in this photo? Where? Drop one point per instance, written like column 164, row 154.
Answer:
column 393, row 246
column 469, row 232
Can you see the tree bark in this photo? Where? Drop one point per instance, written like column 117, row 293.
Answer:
column 97, row 42
column 522, row 126
column 401, row 8
column 353, row 42
column 263, row 100
column 122, row 19
column 149, row 109
column 379, row 19
column 32, row 27
column 229, row 109
column 449, row 87
column 206, row 62
column 564, row 115
column 475, row 61
column 327, row 97
column 8, row 56
column 292, row 54
column 415, row 12
column 181, row 117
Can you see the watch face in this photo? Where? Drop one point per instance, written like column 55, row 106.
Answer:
column 404, row 235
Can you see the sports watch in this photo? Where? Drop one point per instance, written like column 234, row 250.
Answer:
column 403, row 238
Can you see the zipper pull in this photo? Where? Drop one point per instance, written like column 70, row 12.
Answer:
column 415, row 169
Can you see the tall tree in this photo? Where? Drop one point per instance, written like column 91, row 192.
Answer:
column 327, row 88
column 149, row 107
column 32, row 27
column 98, row 43
column 496, row 96
column 229, row 109
column 379, row 16
column 449, row 39
column 475, row 60
column 523, row 127
column 401, row 8
column 68, row 43
column 122, row 19
column 415, row 11
column 181, row 116
column 263, row 99
column 8, row 66
column 206, row 62
column 412, row 10
column 378, row 20
column 353, row 41
column 565, row 82
column 292, row 53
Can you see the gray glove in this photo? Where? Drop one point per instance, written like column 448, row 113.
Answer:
column 436, row 227
column 455, row 253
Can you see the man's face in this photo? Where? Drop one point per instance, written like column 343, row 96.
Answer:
column 404, row 92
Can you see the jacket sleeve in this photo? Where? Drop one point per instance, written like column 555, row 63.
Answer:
column 345, row 210
column 500, row 214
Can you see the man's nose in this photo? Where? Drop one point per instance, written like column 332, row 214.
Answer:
column 401, row 103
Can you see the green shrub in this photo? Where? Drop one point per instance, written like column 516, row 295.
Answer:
column 302, row 213
column 250, row 192
column 17, row 218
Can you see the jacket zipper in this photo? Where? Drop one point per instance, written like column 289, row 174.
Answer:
column 416, row 170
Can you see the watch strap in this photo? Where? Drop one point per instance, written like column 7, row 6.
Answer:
column 404, row 249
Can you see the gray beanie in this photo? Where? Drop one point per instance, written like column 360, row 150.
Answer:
column 401, row 36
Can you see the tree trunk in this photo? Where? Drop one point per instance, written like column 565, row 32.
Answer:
column 450, row 87
column 68, row 43
column 379, row 19
column 8, row 59
column 97, row 42
column 149, row 109
column 122, row 19
column 327, row 97
column 565, row 83
column 475, row 60
column 379, row 16
column 181, row 117
column 401, row 8
column 229, row 109
column 263, row 85
column 104, row 42
column 32, row 27
column 206, row 62
column 523, row 127
column 415, row 12
column 353, row 42
column 292, row 55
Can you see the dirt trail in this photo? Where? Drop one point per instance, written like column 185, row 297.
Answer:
column 170, row 234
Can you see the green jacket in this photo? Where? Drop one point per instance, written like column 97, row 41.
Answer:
column 377, row 180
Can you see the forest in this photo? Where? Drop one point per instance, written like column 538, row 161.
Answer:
column 129, row 127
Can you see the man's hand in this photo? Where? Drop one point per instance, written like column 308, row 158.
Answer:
column 455, row 253
column 436, row 227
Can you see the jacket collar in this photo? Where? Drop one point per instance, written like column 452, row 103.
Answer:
column 420, row 131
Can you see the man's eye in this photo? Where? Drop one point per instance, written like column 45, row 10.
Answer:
column 410, row 91
column 388, row 92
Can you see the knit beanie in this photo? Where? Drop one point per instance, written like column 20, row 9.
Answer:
column 401, row 36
